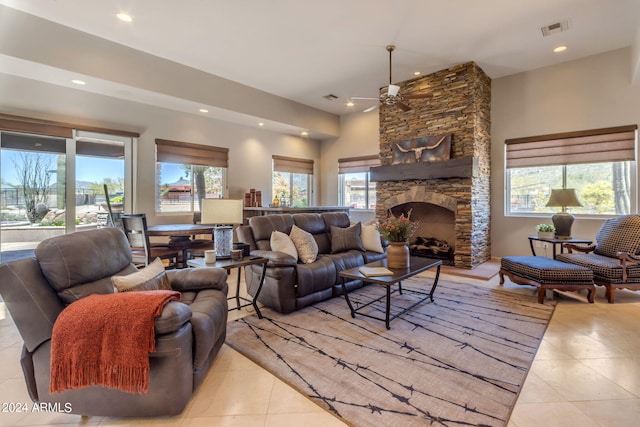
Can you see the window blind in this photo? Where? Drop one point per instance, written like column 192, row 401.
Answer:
column 590, row 146
column 292, row 165
column 358, row 164
column 191, row 154
column 52, row 128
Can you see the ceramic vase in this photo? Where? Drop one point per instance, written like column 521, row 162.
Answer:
column 398, row 255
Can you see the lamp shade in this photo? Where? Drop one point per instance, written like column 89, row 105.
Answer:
column 393, row 90
column 221, row 211
column 562, row 220
column 563, row 197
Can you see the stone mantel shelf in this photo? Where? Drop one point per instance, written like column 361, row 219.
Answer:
column 463, row 167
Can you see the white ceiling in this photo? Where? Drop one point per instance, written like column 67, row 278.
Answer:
column 305, row 49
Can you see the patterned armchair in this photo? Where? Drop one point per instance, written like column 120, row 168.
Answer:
column 615, row 258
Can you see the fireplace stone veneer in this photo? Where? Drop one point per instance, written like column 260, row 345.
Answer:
column 460, row 106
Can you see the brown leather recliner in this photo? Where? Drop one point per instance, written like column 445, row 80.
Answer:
column 189, row 333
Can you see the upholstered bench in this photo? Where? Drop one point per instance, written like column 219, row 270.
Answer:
column 546, row 273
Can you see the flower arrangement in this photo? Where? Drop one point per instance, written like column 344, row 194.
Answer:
column 398, row 229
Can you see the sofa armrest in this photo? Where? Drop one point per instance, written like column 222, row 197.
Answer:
column 276, row 258
column 196, row 279
column 173, row 316
column 570, row 247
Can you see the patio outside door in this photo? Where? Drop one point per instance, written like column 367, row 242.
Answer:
column 53, row 186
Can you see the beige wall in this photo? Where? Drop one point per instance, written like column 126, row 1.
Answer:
column 358, row 137
column 250, row 149
column 589, row 93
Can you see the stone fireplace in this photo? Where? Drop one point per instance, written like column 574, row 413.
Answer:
column 450, row 198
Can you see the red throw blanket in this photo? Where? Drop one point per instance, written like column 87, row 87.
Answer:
column 106, row 340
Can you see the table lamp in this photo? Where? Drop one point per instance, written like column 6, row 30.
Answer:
column 563, row 220
column 223, row 214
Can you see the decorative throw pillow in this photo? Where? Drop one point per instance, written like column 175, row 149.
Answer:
column 343, row 239
column 150, row 278
column 371, row 238
column 305, row 244
column 283, row 243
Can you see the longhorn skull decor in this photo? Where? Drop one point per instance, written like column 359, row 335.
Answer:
column 425, row 149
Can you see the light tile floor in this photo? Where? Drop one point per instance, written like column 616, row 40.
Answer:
column 586, row 373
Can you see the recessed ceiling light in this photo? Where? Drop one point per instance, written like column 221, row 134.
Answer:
column 416, row 73
column 260, row 124
column 78, row 82
column 124, row 17
column 559, row 49
column 304, row 133
column 350, row 104
column 204, row 110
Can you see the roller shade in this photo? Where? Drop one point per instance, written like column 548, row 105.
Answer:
column 591, row 146
column 52, row 128
column 358, row 164
column 191, row 154
column 292, row 165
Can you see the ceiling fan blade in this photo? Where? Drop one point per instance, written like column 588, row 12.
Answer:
column 402, row 106
column 420, row 96
column 360, row 97
column 373, row 107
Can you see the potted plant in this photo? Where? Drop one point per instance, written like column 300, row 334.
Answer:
column 546, row 231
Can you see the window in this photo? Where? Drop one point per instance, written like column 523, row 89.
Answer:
column 599, row 164
column 355, row 188
column 187, row 173
column 291, row 181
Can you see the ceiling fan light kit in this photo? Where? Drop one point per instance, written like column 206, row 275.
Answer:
column 392, row 94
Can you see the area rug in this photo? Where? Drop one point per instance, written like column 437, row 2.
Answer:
column 459, row 361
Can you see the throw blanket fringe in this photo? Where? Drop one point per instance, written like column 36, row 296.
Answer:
column 106, row 340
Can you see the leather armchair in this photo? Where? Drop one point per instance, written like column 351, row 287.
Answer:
column 189, row 333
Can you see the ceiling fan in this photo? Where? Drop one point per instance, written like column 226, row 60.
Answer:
column 392, row 95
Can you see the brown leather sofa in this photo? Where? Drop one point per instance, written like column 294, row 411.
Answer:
column 189, row 333
column 291, row 285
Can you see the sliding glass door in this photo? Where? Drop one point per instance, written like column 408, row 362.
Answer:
column 52, row 186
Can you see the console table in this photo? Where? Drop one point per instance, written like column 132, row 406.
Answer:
column 555, row 242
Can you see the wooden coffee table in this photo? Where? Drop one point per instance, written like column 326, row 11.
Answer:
column 417, row 265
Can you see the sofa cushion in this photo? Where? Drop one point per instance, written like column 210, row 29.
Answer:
column 344, row 261
column 619, row 235
column 305, row 244
column 315, row 225
column 371, row 239
column 263, row 226
column 344, row 239
column 150, row 278
column 605, row 269
column 315, row 277
column 281, row 242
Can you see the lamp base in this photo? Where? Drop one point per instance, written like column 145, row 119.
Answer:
column 563, row 221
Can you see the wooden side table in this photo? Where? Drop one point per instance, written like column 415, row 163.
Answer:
column 555, row 242
column 228, row 264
